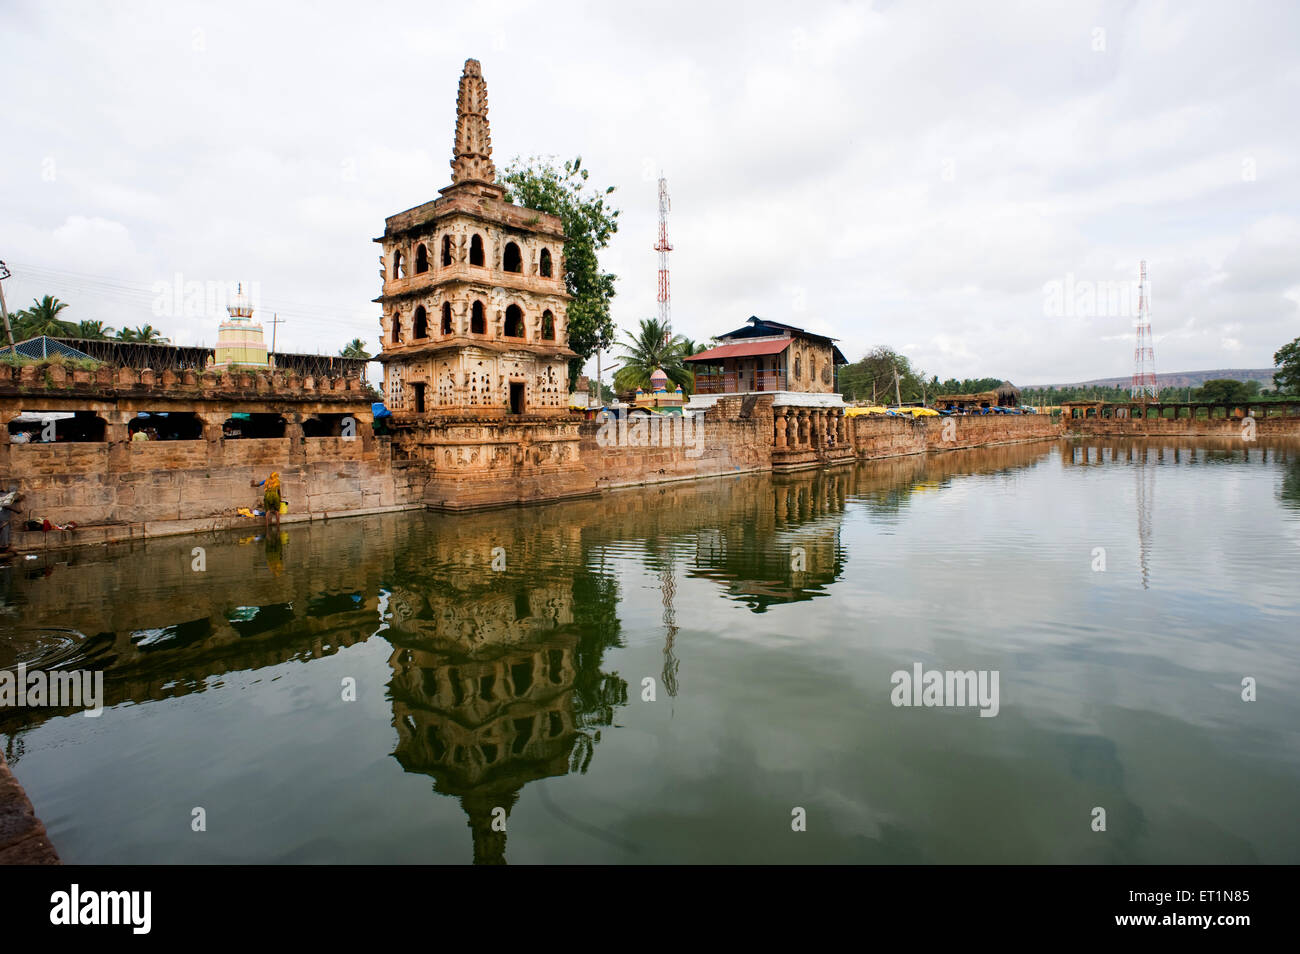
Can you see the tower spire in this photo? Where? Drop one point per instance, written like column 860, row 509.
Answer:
column 472, row 160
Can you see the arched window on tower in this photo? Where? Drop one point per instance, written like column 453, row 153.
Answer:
column 512, row 261
column 548, row 325
column 421, row 326
column 397, row 327
column 399, row 265
column 476, row 250
column 544, row 264
column 446, row 250
column 421, row 259
column 514, row 322
column 446, row 317
column 477, row 320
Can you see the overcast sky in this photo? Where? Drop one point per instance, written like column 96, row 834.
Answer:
column 910, row 174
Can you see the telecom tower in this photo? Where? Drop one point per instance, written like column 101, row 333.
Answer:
column 1144, row 355
column 663, row 248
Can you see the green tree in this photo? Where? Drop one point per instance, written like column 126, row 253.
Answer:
column 1223, row 390
column 356, row 348
column 646, row 351
column 42, row 319
column 1287, row 359
column 589, row 224
column 874, row 376
column 92, row 329
column 144, row 334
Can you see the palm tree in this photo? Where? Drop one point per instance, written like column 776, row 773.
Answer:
column 144, row 334
column 93, row 330
column 43, row 319
column 650, row 349
column 356, row 348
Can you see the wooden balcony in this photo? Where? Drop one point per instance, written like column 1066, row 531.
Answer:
column 738, row 382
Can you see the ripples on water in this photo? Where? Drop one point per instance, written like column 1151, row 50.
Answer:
column 522, row 688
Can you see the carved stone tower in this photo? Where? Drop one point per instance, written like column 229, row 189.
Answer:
column 475, row 323
column 473, row 292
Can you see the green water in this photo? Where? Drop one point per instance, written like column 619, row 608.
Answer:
column 516, row 691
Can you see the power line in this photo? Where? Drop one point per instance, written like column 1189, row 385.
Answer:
column 140, row 294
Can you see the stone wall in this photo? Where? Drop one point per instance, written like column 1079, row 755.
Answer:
column 1271, row 426
column 119, row 489
column 876, row 436
column 22, row 836
column 734, row 436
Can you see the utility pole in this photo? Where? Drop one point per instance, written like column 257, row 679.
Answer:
column 898, row 398
column 276, row 320
column 9, row 332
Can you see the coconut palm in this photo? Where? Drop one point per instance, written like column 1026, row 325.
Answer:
column 43, row 319
column 92, row 329
column 143, row 334
column 356, row 348
column 648, row 350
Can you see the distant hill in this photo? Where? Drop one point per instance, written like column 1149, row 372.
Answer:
column 1177, row 379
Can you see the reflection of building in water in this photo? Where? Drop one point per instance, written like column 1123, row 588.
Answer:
column 485, row 727
column 785, row 550
column 495, row 676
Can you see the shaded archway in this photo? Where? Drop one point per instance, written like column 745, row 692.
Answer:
column 544, row 264
column 421, row 259
column 476, row 250
column 46, row 427
column 477, row 320
column 512, row 260
column 514, row 327
column 420, row 327
column 397, row 327
column 548, row 325
column 253, row 426
column 446, row 317
column 328, row 425
column 446, row 250
column 165, row 426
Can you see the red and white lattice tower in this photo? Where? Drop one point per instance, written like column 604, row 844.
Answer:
column 1144, row 355
column 663, row 248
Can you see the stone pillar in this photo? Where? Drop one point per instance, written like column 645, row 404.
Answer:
column 779, row 424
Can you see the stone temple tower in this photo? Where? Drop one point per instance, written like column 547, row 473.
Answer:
column 475, row 334
column 474, row 303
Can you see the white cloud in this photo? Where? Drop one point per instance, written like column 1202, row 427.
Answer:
column 882, row 174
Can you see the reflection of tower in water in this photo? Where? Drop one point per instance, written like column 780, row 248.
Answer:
column 1146, row 492
column 668, row 587
column 483, row 728
column 496, row 682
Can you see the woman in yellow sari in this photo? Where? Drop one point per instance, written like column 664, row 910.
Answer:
column 270, row 499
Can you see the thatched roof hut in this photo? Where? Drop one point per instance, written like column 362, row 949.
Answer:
column 1008, row 394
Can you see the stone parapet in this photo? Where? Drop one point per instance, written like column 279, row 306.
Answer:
column 23, row 840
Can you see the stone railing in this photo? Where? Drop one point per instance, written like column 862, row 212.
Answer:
column 106, row 380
